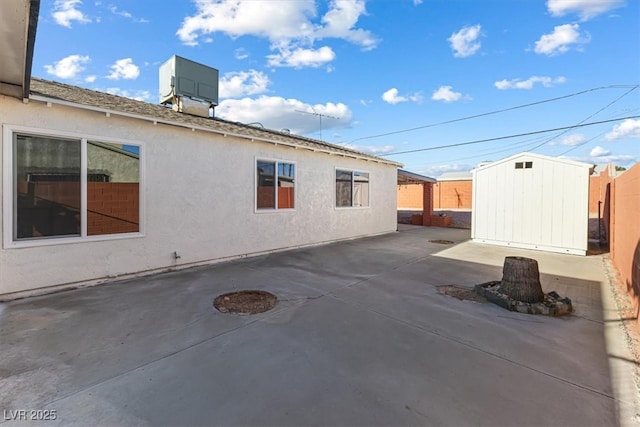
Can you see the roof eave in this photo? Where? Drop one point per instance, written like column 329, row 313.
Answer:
column 155, row 120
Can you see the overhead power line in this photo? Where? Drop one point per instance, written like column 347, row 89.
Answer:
column 446, row 122
column 459, row 144
column 587, row 118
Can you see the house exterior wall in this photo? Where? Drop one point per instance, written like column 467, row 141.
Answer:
column 625, row 231
column 544, row 207
column 452, row 194
column 199, row 200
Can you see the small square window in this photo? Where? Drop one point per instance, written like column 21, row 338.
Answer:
column 519, row 165
column 528, row 165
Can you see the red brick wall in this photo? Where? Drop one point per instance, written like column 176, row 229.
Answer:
column 285, row 197
column 48, row 208
column 452, row 194
column 113, row 207
column 64, row 193
column 625, row 231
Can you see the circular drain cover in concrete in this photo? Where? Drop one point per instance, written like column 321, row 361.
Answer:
column 461, row 293
column 245, row 302
column 442, row 242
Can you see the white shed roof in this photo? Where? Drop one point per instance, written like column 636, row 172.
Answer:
column 535, row 156
column 456, row 176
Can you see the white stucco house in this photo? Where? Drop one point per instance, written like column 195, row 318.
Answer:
column 532, row 201
column 193, row 190
column 97, row 187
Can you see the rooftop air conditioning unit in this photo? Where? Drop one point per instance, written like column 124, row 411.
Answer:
column 188, row 86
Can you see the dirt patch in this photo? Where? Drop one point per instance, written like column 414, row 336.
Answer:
column 461, row 293
column 245, row 302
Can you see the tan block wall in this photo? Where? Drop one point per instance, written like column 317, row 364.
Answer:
column 410, row 197
column 598, row 187
column 625, row 231
column 452, row 194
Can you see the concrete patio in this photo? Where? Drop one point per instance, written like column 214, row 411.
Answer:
column 360, row 336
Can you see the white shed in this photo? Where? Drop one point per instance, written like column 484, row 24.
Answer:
column 534, row 202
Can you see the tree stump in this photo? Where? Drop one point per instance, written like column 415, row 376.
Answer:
column 521, row 279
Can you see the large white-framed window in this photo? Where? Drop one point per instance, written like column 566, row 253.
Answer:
column 275, row 185
column 352, row 188
column 62, row 187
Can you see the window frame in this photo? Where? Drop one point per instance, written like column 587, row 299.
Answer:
column 277, row 162
column 8, row 189
column 335, row 189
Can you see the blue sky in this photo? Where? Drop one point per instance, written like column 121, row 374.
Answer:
column 387, row 76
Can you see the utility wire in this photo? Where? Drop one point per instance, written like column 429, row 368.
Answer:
column 529, row 142
column 459, row 144
column 494, row 112
column 582, row 121
column 580, row 145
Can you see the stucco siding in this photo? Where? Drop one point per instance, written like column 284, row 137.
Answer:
column 198, row 196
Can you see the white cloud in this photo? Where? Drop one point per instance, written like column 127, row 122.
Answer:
column 291, row 26
column 618, row 159
column 561, row 40
column 69, row 67
column 601, row 155
column 465, row 42
column 446, row 94
column 570, row 140
column 241, row 53
column 417, row 2
column 436, row 171
column 242, row 83
column 586, row 9
column 90, row 79
column 598, row 151
column 139, row 95
column 274, row 20
column 340, row 21
column 628, row 128
column 371, row 149
column 66, row 11
column 281, row 113
column 113, row 9
column 300, row 58
column 392, row 97
column 529, row 83
column 124, row 69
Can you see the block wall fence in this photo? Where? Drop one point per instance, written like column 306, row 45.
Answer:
column 458, row 194
column 446, row 195
column 624, row 242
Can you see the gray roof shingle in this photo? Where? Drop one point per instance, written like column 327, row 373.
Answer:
column 101, row 101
